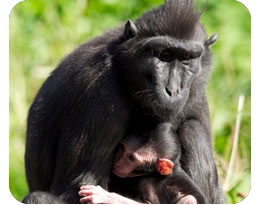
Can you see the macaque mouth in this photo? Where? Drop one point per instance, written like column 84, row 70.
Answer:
column 114, row 170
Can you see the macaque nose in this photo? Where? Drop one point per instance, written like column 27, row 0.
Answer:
column 170, row 92
column 118, row 164
column 173, row 84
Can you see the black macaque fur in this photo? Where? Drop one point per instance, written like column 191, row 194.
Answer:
column 109, row 85
column 40, row 197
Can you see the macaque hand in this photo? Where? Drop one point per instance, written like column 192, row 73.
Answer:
column 189, row 199
column 94, row 195
column 97, row 195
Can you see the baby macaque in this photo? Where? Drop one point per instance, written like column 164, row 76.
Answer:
column 150, row 158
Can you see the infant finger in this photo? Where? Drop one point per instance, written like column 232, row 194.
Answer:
column 86, row 192
column 89, row 200
column 84, row 200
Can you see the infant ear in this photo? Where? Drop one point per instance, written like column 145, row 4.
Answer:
column 164, row 166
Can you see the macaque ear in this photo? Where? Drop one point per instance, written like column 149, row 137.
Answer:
column 130, row 30
column 211, row 40
column 164, row 166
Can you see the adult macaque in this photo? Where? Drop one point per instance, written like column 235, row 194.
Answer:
column 140, row 74
column 154, row 159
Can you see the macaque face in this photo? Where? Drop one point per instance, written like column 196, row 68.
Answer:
column 130, row 158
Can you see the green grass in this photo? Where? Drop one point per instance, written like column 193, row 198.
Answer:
column 42, row 32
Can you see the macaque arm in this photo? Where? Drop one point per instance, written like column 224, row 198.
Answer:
column 147, row 188
column 97, row 195
column 182, row 187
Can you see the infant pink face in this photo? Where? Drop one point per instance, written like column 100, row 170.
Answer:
column 129, row 157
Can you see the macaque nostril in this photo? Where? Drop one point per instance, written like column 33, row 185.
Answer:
column 168, row 91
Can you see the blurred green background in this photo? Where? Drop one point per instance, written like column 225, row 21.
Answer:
column 42, row 32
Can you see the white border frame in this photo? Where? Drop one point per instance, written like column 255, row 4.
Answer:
column 5, row 9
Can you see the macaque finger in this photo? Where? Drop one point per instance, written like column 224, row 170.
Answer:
column 92, row 200
column 86, row 199
column 86, row 192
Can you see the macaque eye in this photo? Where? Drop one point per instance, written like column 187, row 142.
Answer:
column 186, row 58
column 121, row 147
column 165, row 56
column 186, row 55
column 131, row 158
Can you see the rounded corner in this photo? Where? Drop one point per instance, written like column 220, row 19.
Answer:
column 243, row 3
column 244, row 200
column 12, row 197
column 14, row 6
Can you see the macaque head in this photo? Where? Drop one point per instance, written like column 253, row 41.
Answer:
column 136, row 158
column 159, row 65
